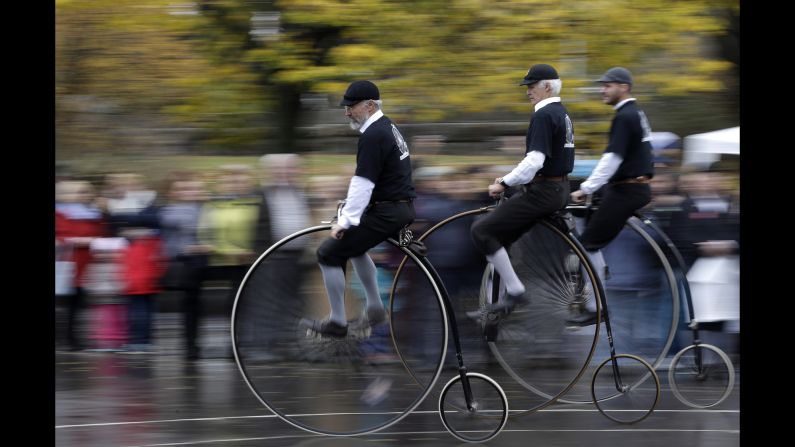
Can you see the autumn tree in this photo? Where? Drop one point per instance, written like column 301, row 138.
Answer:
column 236, row 70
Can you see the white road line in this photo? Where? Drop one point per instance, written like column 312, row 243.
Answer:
column 550, row 410
column 439, row 432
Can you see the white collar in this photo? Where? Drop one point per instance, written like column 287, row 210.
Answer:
column 544, row 102
column 371, row 120
column 618, row 106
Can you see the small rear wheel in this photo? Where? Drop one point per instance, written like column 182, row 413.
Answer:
column 701, row 376
column 631, row 384
column 480, row 420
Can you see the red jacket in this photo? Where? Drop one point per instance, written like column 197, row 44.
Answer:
column 66, row 227
column 142, row 266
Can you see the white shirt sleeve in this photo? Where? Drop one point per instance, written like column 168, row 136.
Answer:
column 526, row 169
column 359, row 193
column 607, row 166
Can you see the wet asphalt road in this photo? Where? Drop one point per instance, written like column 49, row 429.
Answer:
column 159, row 399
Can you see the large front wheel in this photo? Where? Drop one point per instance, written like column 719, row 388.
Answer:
column 336, row 386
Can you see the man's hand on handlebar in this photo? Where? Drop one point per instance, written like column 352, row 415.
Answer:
column 337, row 231
column 578, row 196
column 495, row 189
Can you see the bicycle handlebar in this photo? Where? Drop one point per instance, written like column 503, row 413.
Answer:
column 340, row 205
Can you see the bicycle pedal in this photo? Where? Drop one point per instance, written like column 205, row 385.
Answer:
column 492, row 317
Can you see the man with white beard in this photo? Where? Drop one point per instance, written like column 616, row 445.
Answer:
column 378, row 205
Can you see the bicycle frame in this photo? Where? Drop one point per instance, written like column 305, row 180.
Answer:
column 681, row 272
column 405, row 242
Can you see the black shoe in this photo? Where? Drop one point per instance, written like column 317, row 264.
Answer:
column 376, row 316
column 586, row 318
column 507, row 305
column 325, row 327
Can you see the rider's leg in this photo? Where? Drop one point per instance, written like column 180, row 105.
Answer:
column 598, row 262
column 509, row 221
column 377, row 225
column 503, row 266
column 618, row 204
column 334, row 281
column 367, row 273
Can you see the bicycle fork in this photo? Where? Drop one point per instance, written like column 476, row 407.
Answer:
column 681, row 273
column 620, row 386
column 462, row 369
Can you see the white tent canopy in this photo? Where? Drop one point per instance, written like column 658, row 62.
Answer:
column 703, row 149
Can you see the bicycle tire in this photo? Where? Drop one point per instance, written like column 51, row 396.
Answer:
column 337, row 387
column 701, row 379
column 638, row 396
column 488, row 414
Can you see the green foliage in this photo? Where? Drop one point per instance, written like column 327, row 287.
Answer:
column 432, row 59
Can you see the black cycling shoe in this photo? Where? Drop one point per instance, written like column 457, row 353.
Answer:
column 506, row 306
column 326, row 328
column 376, row 316
column 586, row 318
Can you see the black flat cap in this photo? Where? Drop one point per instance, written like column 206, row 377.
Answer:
column 617, row 74
column 359, row 91
column 539, row 72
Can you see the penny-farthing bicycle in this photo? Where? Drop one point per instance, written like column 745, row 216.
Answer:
column 700, row 375
column 534, row 345
column 375, row 376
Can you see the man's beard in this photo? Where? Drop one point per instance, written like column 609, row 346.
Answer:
column 355, row 125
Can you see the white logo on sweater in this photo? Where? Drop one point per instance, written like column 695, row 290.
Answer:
column 644, row 124
column 401, row 143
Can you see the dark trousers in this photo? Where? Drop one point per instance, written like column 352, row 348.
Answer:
column 141, row 311
column 619, row 203
column 191, row 307
column 514, row 217
column 190, row 288
column 74, row 304
column 232, row 274
column 378, row 223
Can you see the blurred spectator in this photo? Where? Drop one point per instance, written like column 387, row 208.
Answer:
column 706, row 231
column 227, row 225
column 441, row 193
column 187, row 258
column 132, row 214
column 77, row 223
column 326, row 191
column 104, row 285
column 284, row 207
column 705, row 214
column 283, row 210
